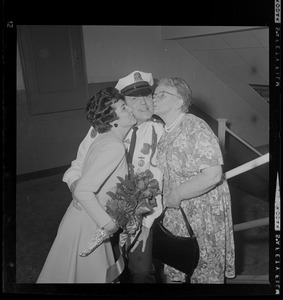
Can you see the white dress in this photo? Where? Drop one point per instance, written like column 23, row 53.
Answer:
column 104, row 161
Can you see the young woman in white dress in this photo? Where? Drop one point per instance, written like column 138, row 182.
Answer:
column 104, row 161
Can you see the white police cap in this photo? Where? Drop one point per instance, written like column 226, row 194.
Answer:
column 136, row 84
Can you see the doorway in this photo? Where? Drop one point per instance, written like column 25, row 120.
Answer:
column 54, row 68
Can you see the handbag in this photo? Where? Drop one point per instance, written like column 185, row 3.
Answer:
column 181, row 253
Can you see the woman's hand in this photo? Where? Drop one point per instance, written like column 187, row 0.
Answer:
column 76, row 203
column 173, row 199
column 149, row 219
column 141, row 239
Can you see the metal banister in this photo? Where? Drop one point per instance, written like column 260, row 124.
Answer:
column 251, row 224
column 222, row 128
column 262, row 159
column 239, row 170
column 243, row 141
column 248, row 166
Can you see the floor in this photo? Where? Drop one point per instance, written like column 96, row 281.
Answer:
column 41, row 204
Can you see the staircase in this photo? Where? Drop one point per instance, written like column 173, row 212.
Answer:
column 250, row 204
column 250, row 207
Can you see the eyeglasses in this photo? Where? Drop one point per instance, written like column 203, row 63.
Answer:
column 160, row 94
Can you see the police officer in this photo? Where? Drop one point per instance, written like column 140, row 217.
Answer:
column 137, row 87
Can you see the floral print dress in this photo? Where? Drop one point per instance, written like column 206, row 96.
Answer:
column 182, row 154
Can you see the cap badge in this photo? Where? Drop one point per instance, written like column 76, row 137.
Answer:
column 137, row 76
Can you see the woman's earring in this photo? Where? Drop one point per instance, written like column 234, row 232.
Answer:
column 115, row 124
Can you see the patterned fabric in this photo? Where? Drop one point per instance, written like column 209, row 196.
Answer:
column 181, row 155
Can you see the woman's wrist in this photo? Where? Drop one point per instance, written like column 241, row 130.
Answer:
column 175, row 199
column 111, row 226
column 179, row 196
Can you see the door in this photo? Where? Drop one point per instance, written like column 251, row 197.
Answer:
column 53, row 67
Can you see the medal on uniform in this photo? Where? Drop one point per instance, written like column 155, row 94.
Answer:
column 141, row 163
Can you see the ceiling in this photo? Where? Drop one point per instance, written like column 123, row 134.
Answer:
column 240, row 59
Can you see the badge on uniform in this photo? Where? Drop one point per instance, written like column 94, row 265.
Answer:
column 141, row 163
column 146, row 148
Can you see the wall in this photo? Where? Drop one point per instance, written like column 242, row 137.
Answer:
column 120, row 50
column 51, row 141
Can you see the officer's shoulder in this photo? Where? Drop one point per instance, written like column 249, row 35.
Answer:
column 158, row 126
column 157, row 120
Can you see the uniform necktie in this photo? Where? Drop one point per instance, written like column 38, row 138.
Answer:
column 132, row 145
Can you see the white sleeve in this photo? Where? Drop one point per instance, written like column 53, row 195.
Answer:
column 98, row 169
column 74, row 172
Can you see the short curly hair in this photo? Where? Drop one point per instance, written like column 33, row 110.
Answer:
column 183, row 89
column 99, row 110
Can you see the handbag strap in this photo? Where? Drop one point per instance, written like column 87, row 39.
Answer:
column 190, row 230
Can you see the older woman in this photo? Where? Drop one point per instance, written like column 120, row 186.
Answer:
column 191, row 160
column 104, row 161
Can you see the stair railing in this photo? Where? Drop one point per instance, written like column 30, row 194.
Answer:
column 222, row 128
column 262, row 159
column 239, row 170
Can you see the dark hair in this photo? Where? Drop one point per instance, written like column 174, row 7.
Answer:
column 99, row 110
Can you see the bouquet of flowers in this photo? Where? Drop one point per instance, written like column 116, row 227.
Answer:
column 134, row 199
